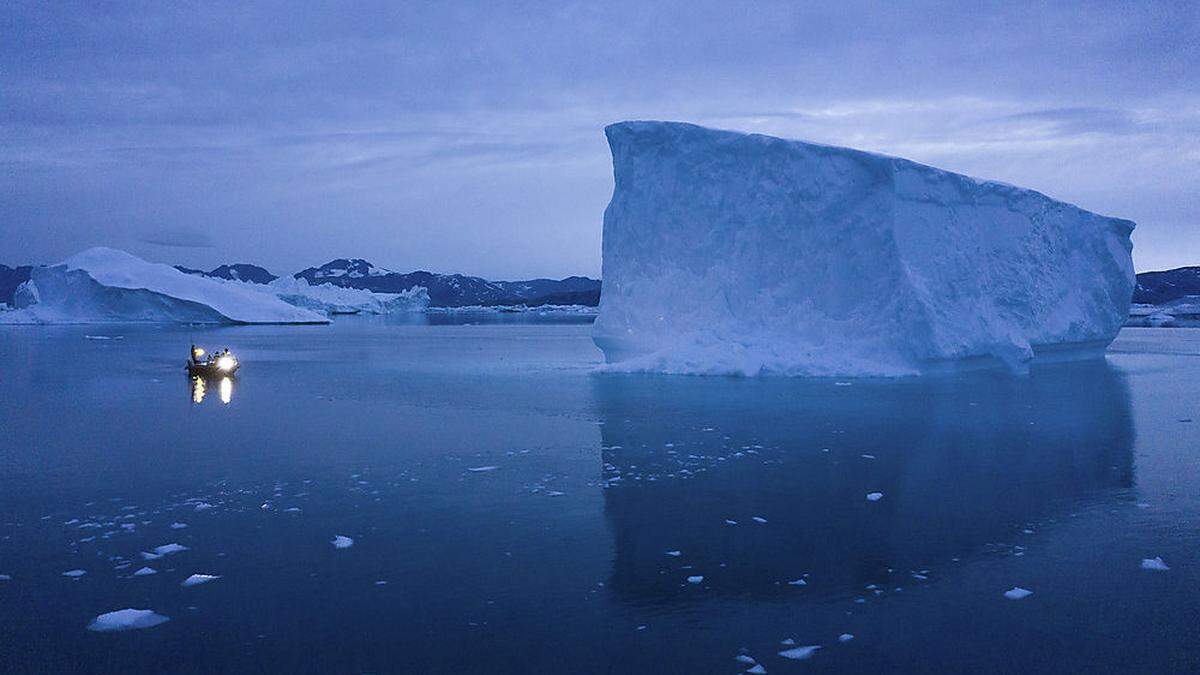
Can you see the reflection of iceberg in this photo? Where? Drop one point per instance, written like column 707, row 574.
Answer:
column 961, row 463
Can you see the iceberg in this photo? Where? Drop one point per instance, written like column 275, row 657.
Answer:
column 106, row 285
column 736, row 253
column 330, row 299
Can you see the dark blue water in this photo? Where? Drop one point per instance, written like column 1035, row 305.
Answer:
column 557, row 559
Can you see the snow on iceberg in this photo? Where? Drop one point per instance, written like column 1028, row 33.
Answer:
column 106, row 285
column 741, row 253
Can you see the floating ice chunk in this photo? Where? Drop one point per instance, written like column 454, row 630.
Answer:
column 341, row 541
column 555, row 493
column 874, row 496
column 480, row 469
column 204, row 506
column 178, row 526
column 730, row 522
column 800, row 653
column 757, row 669
column 1017, row 593
column 1155, row 564
column 675, row 554
column 168, row 549
column 787, row 642
column 74, row 574
column 292, row 509
column 845, row 637
column 197, row 579
column 145, row 571
column 146, row 555
column 758, row 519
column 5, row 577
column 744, row 658
column 797, row 582
column 127, row 619
column 695, row 579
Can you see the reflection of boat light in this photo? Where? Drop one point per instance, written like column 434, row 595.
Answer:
column 200, row 388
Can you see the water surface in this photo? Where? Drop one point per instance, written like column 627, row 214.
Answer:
column 513, row 511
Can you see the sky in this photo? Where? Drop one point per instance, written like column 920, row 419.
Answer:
column 468, row 137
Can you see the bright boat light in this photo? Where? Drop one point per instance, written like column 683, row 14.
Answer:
column 226, row 389
column 225, row 363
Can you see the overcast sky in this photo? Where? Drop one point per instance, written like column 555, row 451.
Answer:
column 456, row 136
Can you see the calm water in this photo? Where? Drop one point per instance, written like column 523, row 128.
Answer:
column 556, row 560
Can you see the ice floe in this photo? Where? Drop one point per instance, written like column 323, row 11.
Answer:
column 145, row 571
column 197, row 579
column 675, row 554
column 874, row 496
column 127, row 619
column 168, row 549
column 480, row 469
column 1155, row 564
column 342, row 541
column 695, row 579
column 845, row 637
column 74, row 574
column 800, row 653
column 178, row 526
column 1017, row 593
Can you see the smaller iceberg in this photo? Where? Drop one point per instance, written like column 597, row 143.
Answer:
column 104, row 285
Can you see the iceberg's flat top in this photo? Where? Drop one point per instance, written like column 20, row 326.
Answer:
column 732, row 252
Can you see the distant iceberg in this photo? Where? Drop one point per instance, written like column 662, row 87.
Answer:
column 741, row 253
column 105, row 285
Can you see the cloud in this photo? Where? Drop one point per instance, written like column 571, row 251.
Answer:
column 178, row 238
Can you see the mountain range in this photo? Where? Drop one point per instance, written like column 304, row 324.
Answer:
column 1158, row 288
column 458, row 290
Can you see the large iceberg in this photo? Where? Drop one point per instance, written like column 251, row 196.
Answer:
column 740, row 253
column 103, row 285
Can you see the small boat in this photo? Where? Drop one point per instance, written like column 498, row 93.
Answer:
column 220, row 364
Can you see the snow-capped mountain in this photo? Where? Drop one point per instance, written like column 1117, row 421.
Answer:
column 1157, row 288
column 455, row 290
column 342, row 268
column 235, row 272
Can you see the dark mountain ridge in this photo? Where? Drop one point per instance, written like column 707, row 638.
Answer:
column 1157, row 288
column 455, row 290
